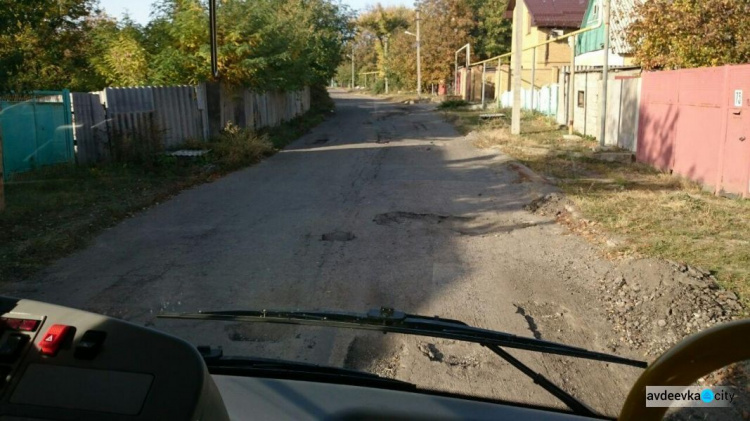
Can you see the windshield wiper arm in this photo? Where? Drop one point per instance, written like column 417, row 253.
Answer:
column 389, row 320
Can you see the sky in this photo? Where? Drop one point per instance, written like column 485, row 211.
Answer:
column 139, row 10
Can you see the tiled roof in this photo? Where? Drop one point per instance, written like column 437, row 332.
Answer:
column 553, row 13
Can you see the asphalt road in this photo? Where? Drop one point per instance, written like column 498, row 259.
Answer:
column 381, row 205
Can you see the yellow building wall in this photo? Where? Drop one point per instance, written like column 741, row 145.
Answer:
column 549, row 58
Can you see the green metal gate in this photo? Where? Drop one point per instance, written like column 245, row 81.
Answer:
column 35, row 130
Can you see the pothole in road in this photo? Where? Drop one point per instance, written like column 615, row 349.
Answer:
column 382, row 138
column 401, row 217
column 374, row 354
column 463, row 225
column 431, row 351
column 338, row 236
column 320, row 141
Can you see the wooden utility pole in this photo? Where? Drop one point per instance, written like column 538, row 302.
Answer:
column 517, row 51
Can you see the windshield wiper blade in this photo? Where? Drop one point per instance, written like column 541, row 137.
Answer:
column 389, row 320
column 292, row 370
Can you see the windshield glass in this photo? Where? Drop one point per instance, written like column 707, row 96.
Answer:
column 443, row 158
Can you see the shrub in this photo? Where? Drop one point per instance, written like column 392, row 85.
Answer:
column 452, row 104
column 236, row 147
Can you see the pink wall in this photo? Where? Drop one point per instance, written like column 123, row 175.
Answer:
column 689, row 124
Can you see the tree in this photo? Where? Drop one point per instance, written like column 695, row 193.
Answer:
column 446, row 26
column 41, row 44
column 673, row 34
column 383, row 24
column 493, row 32
column 116, row 52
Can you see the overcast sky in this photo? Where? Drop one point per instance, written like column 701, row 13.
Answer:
column 139, row 10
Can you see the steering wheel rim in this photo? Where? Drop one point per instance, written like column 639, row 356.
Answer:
column 683, row 364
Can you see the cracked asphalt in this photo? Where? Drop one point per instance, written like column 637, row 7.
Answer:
column 381, row 205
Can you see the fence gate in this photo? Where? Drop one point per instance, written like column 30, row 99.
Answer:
column 35, row 130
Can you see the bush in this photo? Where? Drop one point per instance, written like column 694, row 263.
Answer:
column 452, row 104
column 236, row 147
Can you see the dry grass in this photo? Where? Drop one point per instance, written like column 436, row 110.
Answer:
column 650, row 213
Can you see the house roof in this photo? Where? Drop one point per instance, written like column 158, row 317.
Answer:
column 623, row 14
column 553, row 13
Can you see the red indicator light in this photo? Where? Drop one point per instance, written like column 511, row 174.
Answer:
column 28, row 325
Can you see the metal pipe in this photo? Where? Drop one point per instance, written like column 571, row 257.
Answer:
column 605, row 76
column 455, row 74
column 484, row 72
column 566, row 36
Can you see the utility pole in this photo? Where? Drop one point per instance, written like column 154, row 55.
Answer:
column 572, row 85
column 533, row 76
column 419, row 59
column 517, row 51
column 605, row 76
column 352, row 69
column 386, row 63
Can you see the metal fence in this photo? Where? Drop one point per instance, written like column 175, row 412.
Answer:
column 174, row 113
column 35, row 130
column 696, row 122
column 543, row 99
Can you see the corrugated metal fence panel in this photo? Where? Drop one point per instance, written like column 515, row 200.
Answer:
column 89, row 125
column 129, row 100
column 176, row 114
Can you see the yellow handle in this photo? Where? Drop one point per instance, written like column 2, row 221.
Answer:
column 686, row 362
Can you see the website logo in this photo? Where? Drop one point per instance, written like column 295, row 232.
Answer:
column 689, row 396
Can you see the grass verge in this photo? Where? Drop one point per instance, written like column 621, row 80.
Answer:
column 647, row 212
column 54, row 211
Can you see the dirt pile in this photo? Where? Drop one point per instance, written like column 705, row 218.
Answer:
column 666, row 302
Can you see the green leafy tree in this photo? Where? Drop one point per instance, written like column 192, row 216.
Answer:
column 384, row 23
column 492, row 33
column 40, row 44
column 672, row 34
